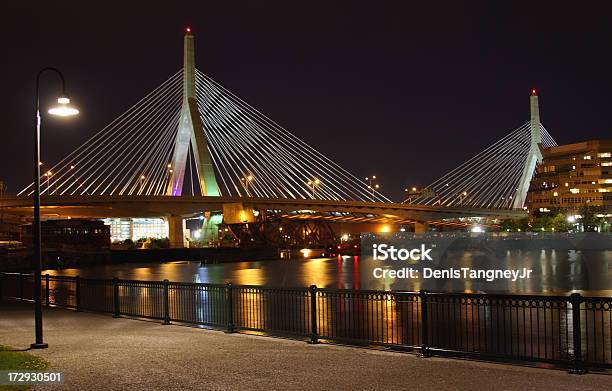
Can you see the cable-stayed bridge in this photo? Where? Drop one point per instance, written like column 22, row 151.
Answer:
column 191, row 147
column 496, row 178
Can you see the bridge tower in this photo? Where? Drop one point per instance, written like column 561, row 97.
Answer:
column 535, row 154
column 191, row 132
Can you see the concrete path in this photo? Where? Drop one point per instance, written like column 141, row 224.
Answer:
column 97, row 352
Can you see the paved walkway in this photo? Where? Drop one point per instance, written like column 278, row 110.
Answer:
column 97, row 352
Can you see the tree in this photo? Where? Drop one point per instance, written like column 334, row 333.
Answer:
column 590, row 221
column 515, row 225
column 560, row 224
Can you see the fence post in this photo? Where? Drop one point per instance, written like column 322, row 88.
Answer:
column 2, row 277
column 20, row 286
column 47, row 289
column 424, row 324
column 77, row 282
column 229, row 295
column 314, row 336
column 166, row 303
column 116, row 312
column 577, row 362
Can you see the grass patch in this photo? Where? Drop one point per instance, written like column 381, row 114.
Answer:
column 10, row 360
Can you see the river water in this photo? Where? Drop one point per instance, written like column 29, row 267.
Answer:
column 540, row 329
column 554, row 272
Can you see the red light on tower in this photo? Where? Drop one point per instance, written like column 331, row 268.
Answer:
column 188, row 30
column 533, row 92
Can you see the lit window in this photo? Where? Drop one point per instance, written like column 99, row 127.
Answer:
column 604, row 154
column 556, row 194
column 587, row 157
column 573, row 167
column 575, row 191
column 566, row 184
column 606, row 164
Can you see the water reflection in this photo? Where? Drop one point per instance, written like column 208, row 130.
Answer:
column 554, row 271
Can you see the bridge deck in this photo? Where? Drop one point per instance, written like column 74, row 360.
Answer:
column 150, row 206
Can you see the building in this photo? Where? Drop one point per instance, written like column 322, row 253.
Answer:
column 136, row 228
column 572, row 176
column 70, row 235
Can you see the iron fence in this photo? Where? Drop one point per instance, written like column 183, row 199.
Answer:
column 572, row 331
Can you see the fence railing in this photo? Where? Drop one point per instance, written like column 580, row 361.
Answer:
column 572, row 331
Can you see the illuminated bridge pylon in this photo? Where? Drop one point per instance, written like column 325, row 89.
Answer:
column 191, row 136
column 496, row 178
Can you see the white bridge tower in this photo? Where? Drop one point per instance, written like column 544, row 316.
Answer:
column 191, row 132
column 535, row 154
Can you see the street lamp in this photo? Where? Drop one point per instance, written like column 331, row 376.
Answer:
column 371, row 185
column 169, row 172
column 47, row 175
column 245, row 182
column 411, row 193
column 462, row 197
column 71, row 172
column 62, row 109
column 314, row 183
column 142, row 183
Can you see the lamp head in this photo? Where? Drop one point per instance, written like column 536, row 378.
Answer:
column 63, row 107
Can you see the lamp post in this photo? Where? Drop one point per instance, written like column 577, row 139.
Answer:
column 49, row 183
column 142, row 184
column 245, row 182
column 169, row 172
column 314, row 183
column 63, row 110
column 462, row 197
column 371, row 185
column 71, row 176
column 411, row 193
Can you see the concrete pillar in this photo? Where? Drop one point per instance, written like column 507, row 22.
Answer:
column 421, row 227
column 176, row 231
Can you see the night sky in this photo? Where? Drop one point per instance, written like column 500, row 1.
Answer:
column 402, row 90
